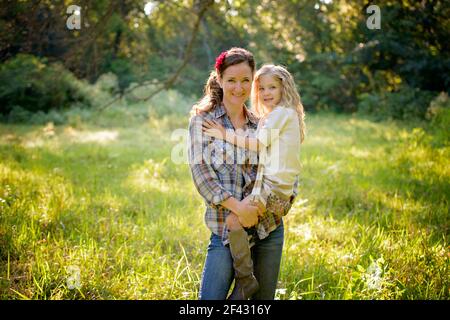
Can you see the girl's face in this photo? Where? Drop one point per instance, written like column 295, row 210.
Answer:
column 236, row 82
column 269, row 91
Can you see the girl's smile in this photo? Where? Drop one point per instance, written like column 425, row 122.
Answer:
column 269, row 91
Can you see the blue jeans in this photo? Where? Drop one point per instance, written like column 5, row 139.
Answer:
column 218, row 272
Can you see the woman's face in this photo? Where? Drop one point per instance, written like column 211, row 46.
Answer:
column 236, row 82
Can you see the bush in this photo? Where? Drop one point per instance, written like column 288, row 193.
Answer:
column 327, row 82
column 29, row 82
column 108, row 83
column 19, row 114
column 170, row 102
column 369, row 103
column 439, row 115
column 405, row 103
column 125, row 71
column 408, row 103
column 166, row 102
column 191, row 80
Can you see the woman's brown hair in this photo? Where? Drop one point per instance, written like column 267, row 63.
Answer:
column 213, row 93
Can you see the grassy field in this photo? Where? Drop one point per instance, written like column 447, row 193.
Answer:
column 96, row 209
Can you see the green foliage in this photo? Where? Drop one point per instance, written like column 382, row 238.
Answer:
column 413, row 42
column 190, row 82
column 374, row 226
column 21, row 115
column 37, row 86
column 439, row 115
column 325, row 82
column 405, row 104
column 167, row 102
column 339, row 64
column 321, row 90
column 166, row 107
column 125, row 70
column 408, row 103
column 108, row 83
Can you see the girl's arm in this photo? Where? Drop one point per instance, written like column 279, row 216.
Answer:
column 216, row 130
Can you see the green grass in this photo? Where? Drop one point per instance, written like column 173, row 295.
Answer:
column 96, row 209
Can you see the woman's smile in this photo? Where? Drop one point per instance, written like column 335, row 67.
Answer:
column 236, row 83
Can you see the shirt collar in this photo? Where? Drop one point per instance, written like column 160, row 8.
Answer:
column 219, row 111
column 251, row 116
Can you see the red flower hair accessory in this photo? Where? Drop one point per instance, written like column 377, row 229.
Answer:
column 219, row 59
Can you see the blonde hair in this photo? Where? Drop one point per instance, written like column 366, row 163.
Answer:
column 212, row 92
column 290, row 97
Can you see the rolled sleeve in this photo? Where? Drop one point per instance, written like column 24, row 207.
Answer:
column 207, row 184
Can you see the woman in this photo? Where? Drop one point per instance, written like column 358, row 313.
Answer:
column 224, row 175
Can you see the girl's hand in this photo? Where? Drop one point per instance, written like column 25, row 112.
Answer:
column 213, row 129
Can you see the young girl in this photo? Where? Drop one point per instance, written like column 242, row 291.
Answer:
column 280, row 132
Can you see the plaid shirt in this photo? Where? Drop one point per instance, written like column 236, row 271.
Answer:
column 219, row 169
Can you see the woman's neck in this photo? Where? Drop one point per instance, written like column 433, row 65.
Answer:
column 234, row 112
column 236, row 115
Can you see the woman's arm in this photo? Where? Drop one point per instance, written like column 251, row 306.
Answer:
column 205, row 178
column 216, row 130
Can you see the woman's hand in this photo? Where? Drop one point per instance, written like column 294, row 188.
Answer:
column 261, row 208
column 248, row 213
column 213, row 129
